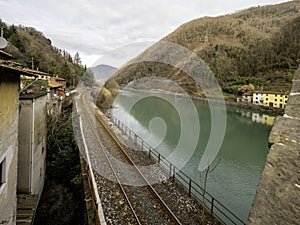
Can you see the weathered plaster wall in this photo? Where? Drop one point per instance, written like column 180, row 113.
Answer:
column 277, row 199
column 9, row 86
column 40, row 137
column 24, row 162
column 32, row 145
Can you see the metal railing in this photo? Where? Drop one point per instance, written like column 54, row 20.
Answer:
column 214, row 207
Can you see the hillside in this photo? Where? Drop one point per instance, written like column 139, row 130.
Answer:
column 102, row 72
column 32, row 48
column 258, row 46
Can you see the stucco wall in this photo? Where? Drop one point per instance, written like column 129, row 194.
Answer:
column 40, row 137
column 9, row 86
column 277, row 199
column 32, row 145
column 24, row 162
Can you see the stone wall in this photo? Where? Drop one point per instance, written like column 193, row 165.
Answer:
column 277, row 199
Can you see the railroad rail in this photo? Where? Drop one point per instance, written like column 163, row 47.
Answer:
column 213, row 206
column 160, row 210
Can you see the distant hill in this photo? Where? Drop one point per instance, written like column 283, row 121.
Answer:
column 32, row 49
column 102, row 72
column 258, row 46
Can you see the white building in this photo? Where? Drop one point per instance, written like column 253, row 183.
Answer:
column 258, row 98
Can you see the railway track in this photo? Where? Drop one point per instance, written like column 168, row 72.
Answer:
column 143, row 203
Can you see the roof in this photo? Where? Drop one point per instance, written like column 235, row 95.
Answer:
column 59, row 79
column 5, row 55
column 271, row 92
column 14, row 67
column 33, row 95
column 54, row 84
column 37, row 72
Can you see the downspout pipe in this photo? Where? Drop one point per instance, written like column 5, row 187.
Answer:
column 32, row 148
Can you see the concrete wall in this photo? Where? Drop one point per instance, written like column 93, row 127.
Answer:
column 9, row 87
column 277, row 199
column 32, row 144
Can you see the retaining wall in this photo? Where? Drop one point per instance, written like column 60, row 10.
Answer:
column 277, row 198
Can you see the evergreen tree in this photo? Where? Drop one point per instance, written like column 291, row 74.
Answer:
column 88, row 78
column 77, row 59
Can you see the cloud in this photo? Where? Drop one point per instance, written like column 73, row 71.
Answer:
column 98, row 26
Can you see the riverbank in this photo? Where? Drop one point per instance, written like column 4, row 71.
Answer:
column 228, row 101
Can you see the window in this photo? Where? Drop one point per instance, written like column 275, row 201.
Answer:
column 280, row 100
column 267, row 99
column 3, row 172
column 275, row 95
column 275, row 99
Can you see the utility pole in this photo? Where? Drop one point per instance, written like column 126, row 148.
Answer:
column 32, row 66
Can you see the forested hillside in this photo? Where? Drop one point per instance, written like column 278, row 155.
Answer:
column 257, row 46
column 32, row 49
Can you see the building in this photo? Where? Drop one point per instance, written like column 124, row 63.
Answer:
column 258, row 98
column 276, row 100
column 246, row 97
column 37, row 84
column 9, row 117
column 40, row 75
column 61, row 81
column 32, row 143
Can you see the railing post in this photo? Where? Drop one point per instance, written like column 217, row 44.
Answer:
column 170, row 169
column 212, row 207
column 190, row 187
column 142, row 145
column 173, row 173
column 149, row 152
column 135, row 138
column 158, row 158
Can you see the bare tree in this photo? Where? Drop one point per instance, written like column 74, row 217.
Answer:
column 203, row 179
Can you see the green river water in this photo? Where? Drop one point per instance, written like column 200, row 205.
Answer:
column 242, row 154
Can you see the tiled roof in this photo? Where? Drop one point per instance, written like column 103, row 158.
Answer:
column 54, row 84
column 6, row 55
column 14, row 67
column 37, row 72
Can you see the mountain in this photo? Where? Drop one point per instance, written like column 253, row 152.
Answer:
column 33, row 50
column 257, row 46
column 102, row 72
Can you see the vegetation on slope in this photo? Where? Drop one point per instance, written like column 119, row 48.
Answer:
column 62, row 201
column 32, row 49
column 257, row 46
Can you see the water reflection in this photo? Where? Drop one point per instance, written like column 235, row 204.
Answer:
column 258, row 117
column 243, row 151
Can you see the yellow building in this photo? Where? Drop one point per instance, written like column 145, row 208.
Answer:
column 276, row 100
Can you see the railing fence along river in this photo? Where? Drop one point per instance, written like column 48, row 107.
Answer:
column 215, row 207
column 242, row 154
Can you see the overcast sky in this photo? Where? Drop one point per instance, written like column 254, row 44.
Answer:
column 96, row 27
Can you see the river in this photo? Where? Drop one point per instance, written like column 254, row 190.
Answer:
column 241, row 157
